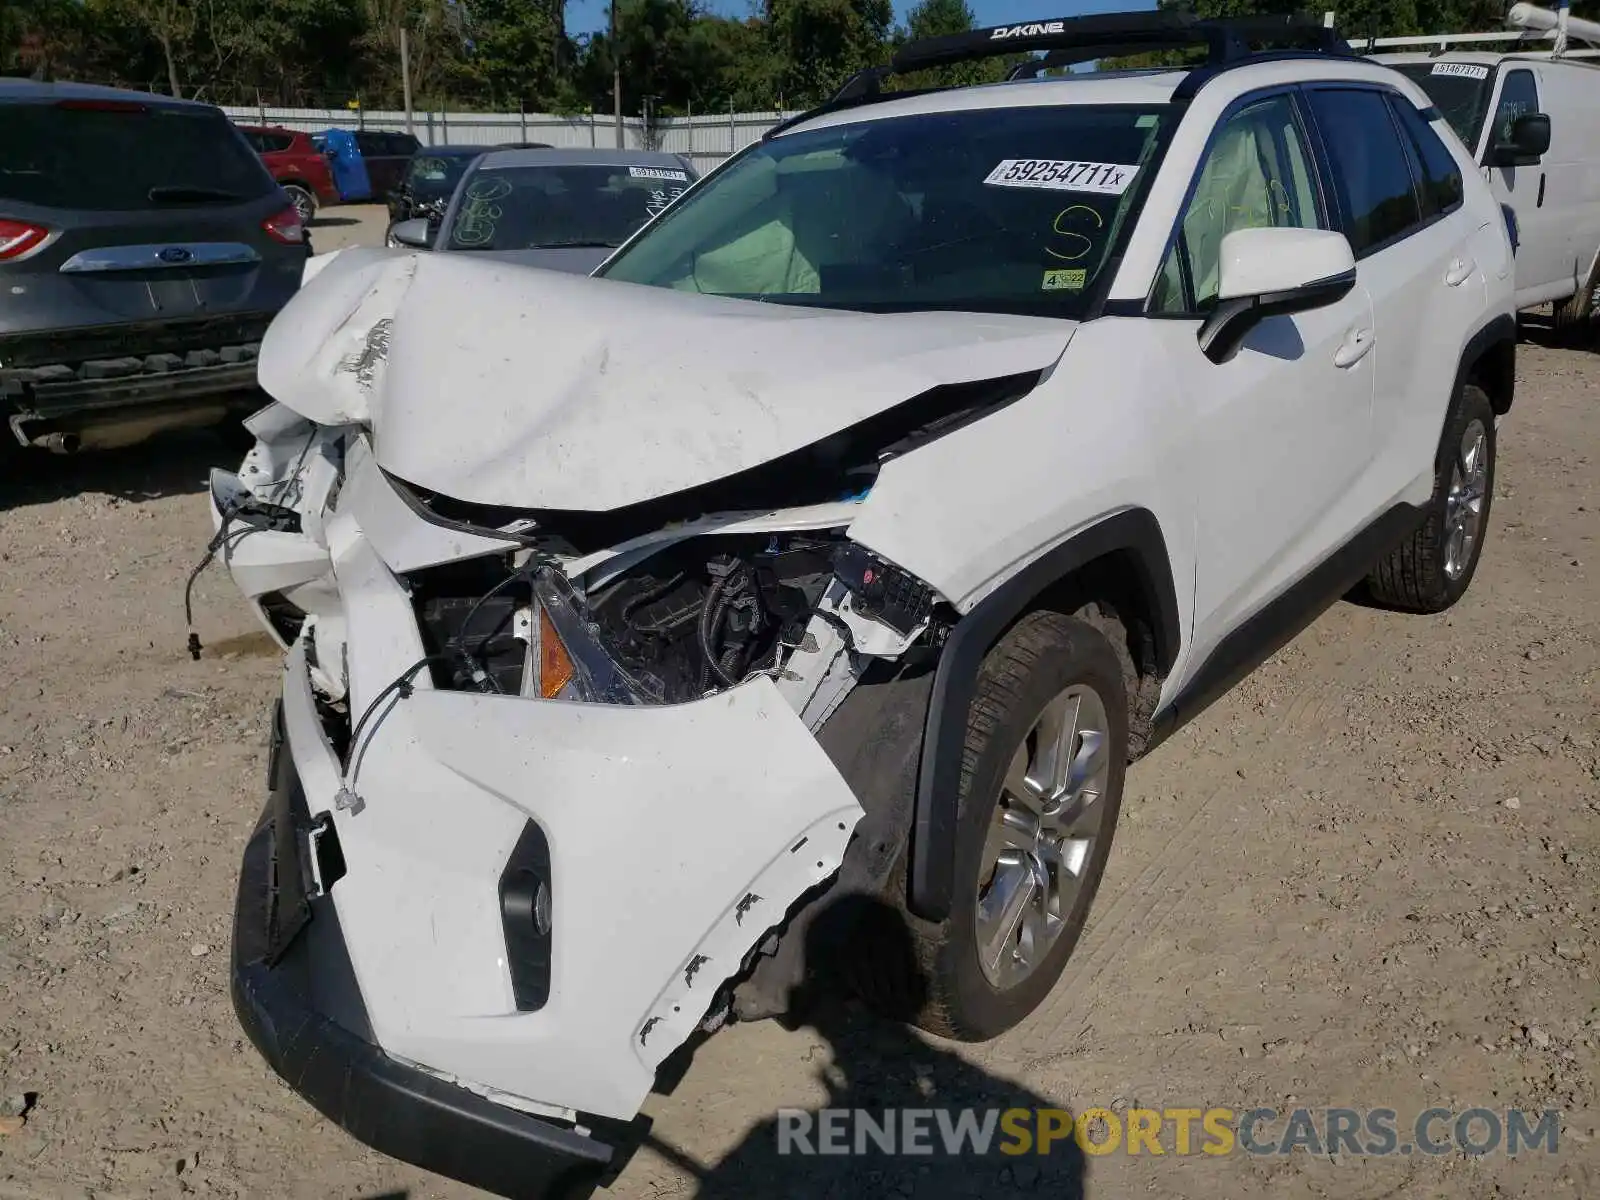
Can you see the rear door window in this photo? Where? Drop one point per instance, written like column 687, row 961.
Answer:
column 1442, row 185
column 124, row 158
column 263, row 142
column 1376, row 191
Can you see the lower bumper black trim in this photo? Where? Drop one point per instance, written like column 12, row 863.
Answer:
column 89, row 396
column 396, row 1109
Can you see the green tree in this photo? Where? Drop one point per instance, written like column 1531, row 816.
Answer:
column 819, row 44
column 943, row 18
column 516, row 50
column 172, row 24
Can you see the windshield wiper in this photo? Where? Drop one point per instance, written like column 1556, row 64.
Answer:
column 180, row 193
column 575, row 244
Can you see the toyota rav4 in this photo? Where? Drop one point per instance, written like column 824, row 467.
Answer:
column 793, row 595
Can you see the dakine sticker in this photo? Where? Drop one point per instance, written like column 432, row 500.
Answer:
column 1462, row 70
column 1070, row 281
column 1109, row 179
column 1031, row 29
column 659, row 173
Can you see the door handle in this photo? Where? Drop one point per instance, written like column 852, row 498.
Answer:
column 1357, row 344
column 1459, row 271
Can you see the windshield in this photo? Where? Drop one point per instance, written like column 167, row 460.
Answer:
column 434, row 175
column 540, row 207
column 1460, row 91
column 1009, row 210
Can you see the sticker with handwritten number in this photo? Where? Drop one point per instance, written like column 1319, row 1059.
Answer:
column 1108, row 179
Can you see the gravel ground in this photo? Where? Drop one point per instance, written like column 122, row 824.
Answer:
column 348, row 225
column 1368, row 877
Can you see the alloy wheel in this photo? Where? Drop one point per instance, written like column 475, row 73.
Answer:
column 1046, row 821
column 1463, row 506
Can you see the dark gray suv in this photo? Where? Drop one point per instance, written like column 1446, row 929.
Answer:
column 143, row 251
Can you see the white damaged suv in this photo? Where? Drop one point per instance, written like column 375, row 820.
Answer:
column 791, row 597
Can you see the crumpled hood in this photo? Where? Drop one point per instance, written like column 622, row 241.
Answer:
column 500, row 384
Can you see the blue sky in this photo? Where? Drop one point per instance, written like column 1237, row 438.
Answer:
column 585, row 16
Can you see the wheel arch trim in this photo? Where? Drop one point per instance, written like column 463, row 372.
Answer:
column 1134, row 532
column 1495, row 345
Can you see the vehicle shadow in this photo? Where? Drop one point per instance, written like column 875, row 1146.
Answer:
column 877, row 1065
column 331, row 222
column 169, row 464
column 1539, row 329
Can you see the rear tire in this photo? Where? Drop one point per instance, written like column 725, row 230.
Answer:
column 304, row 201
column 1433, row 568
column 1028, row 822
column 1572, row 317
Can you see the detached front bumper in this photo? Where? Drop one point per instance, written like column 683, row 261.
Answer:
column 283, row 979
column 398, row 983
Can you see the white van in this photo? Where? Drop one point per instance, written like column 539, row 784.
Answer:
column 1533, row 122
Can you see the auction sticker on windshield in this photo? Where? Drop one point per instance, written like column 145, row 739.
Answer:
column 659, row 173
column 1464, row 70
column 1110, row 179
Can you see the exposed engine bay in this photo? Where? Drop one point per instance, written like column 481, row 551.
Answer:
column 695, row 617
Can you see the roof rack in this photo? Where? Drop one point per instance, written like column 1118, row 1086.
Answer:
column 1071, row 40
column 1066, row 41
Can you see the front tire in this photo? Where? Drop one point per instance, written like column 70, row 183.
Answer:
column 1433, row 568
column 1044, row 757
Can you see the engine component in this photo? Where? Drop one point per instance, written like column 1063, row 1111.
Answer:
column 707, row 612
column 882, row 590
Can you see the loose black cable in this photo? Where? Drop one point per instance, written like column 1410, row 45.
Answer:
column 217, row 542
column 457, row 643
column 400, row 685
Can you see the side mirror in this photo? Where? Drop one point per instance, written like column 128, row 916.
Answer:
column 1271, row 273
column 1529, row 141
column 415, row 233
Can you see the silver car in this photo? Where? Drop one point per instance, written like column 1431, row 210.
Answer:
column 566, row 210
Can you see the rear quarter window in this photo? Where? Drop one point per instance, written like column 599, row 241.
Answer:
column 112, row 160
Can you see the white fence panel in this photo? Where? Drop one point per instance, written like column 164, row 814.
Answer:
column 705, row 139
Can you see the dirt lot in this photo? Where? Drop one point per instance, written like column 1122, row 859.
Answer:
column 1369, row 877
column 349, row 225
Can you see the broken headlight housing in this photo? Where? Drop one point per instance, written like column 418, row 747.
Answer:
column 690, row 619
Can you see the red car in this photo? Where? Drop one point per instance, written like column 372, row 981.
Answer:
column 296, row 164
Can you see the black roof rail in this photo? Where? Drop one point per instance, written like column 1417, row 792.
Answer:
column 1200, row 76
column 1068, row 40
